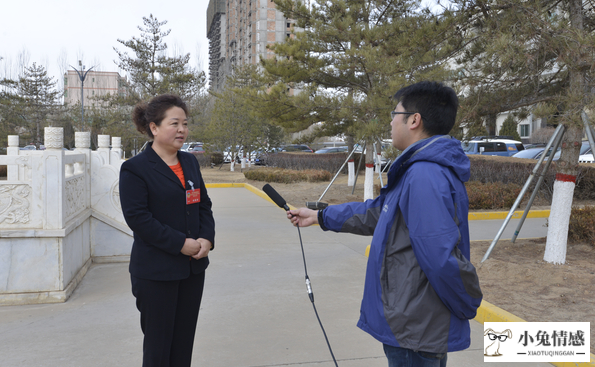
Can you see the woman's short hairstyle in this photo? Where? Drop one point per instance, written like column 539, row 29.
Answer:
column 436, row 103
column 144, row 113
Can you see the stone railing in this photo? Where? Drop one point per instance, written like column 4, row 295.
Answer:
column 59, row 212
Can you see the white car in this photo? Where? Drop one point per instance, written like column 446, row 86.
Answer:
column 586, row 158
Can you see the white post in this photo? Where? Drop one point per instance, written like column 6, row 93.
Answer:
column 103, row 142
column 54, row 177
column 557, row 234
column 12, row 170
column 351, row 172
column 115, row 158
column 369, row 182
column 82, row 143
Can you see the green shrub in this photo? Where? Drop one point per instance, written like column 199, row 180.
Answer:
column 287, row 175
column 582, row 225
column 493, row 195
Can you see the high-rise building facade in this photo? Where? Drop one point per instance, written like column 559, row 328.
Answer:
column 239, row 32
column 97, row 84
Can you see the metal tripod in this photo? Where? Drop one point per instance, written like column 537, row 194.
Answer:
column 555, row 140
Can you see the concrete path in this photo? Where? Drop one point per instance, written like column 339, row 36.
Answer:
column 255, row 310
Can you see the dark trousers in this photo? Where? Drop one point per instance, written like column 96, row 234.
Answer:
column 403, row 357
column 168, row 316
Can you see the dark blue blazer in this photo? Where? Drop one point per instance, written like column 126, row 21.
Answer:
column 154, row 206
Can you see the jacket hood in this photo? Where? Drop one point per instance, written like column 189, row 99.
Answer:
column 441, row 149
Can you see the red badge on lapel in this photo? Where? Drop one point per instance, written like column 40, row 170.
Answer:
column 192, row 196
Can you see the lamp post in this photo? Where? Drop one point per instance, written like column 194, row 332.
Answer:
column 82, row 75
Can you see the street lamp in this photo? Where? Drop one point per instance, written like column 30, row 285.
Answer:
column 82, row 75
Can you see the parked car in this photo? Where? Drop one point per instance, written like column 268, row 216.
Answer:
column 341, row 149
column 188, row 146
column 197, row 149
column 586, row 158
column 297, row 148
column 531, row 153
column 492, row 145
column 29, row 147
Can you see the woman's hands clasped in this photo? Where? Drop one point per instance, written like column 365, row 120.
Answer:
column 197, row 249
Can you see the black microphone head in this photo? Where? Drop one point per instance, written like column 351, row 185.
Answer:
column 274, row 195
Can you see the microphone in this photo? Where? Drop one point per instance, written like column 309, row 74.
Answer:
column 274, row 195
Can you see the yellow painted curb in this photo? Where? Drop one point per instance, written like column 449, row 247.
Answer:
column 487, row 312
column 502, row 215
column 255, row 190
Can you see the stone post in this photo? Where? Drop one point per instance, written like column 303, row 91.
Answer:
column 12, row 170
column 82, row 143
column 103, row 142
column 53, row 166
column 115, row 158
column 82, row 140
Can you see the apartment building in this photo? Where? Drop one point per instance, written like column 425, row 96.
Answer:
column 239, row 32
column 97, row 84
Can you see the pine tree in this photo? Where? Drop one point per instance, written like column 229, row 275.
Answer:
column 346, row 58
column 37, row 99
column 152, row 71
column 509, row 128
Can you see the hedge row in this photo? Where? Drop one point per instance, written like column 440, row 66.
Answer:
column 287, row 175
column 506, row 170
column 301, row 161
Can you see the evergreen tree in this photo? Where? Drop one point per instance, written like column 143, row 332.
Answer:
column 509, row 128
column 346, row 58
column 152, row 71
column 37, row 99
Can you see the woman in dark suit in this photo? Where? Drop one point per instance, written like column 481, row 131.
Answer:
column 165, row 203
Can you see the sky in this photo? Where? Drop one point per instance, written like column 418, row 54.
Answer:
column 47, row 31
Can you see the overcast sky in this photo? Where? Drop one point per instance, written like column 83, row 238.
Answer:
column 49, row 30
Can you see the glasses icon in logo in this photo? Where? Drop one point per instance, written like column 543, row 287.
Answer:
column 495, row 338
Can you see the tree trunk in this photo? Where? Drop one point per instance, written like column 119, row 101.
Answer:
column 557, row 234
column 491, row 124
column 369, row 180
column 350, row 163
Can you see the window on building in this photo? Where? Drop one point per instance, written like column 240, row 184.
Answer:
column 92, row 93
column 93, row 80
column 288, row 25
column 65, row 94
column 525, row 131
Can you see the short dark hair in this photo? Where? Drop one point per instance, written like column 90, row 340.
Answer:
column 435, row 102
column 144, row 113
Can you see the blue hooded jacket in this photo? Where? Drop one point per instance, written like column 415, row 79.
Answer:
column 421, row 289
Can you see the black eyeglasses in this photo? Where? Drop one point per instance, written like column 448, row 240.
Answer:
column 395, row 113
column 502, row 338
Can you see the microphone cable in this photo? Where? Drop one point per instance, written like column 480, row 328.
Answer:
column 277, row 199
column 311, row 296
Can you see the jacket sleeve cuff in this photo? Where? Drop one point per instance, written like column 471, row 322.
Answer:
column 321, row 220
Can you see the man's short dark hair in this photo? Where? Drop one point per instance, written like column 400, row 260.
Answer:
column 436, row 103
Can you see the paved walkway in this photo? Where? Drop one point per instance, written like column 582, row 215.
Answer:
column 255, row 310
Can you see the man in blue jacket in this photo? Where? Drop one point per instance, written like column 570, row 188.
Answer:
column 421, row 288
